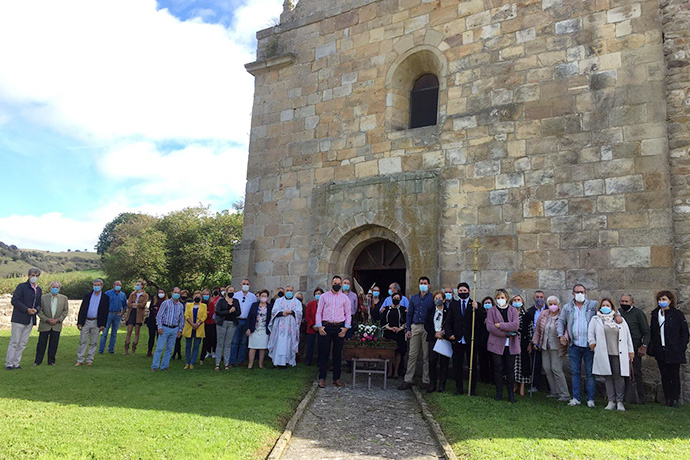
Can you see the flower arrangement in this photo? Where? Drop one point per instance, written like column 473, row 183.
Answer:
column 368, row 335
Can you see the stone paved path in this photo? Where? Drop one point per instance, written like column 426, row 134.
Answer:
column 362, row 424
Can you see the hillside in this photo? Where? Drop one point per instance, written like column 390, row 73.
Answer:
column 15, row 262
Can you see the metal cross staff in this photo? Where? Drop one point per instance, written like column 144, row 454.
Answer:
column 475, row 268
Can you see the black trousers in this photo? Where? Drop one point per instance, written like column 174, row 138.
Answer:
column 537, row 377
column 178, row 348
column 460, row 353
column 637, row 373
column 153, row 333
column 504, row 367
column 51, row 338
column 209, row 345
column 485, row 366
column 326, row 343
column 670, row 379
column 438, row 367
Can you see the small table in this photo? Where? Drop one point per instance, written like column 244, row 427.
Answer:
column 355, row 371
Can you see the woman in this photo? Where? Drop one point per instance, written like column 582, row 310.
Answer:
column 375, row 305
column 227, row 312
column 434, row 325
column 195, row 315
column 613, row 351
column 523, row 363
column 503, row 343
column 310, row 317
column 393, row 319
column 257, row 319
column 208, row 348
column 184, row 295
column 669, row 340
column 151, row 319
column 552, row 350
column 136, row 310
column 486, row 374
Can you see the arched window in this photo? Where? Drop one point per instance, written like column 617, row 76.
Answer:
column 424, row 101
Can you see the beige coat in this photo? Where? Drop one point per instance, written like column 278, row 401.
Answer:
column 60, row 313
column 596, row 335
column 139, row 306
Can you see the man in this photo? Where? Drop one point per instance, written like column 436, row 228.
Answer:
column 640, row 334
column 170, row 322
column 26, row 301
column 533, row 315
column 286, row 318
column 459, row 332
column 354, row 298
column 93, row 316
column 447, row 296
column 392, row 289
column 333, row 319
column 239, row 341
column 54, row 309
column 117, row 304
column 416, row 334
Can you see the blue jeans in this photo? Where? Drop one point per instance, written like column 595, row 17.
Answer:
column 164, row 347
column 576, row 354
column 239, row 343
column 190, row 354
column 112, row 325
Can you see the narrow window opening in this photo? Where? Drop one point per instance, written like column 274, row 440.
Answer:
column 424, row 101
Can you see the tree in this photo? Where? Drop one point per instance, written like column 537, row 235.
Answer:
column 108, row 233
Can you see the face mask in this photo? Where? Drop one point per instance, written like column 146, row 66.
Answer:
column 346, row 287
column 289, row 295
column 207, row 297
column 539, row 302
column 487, row 306
column 423, row 288
column 230, row 294
column 626, row 307
column 34, row 279
column 118, row 288
column 605, row 310
column 161, row 295
column 184, row 299
column 215, row 293
column 222, row 293
column 553, row 308
column 264, row 299
column 464, row 295
column 176, row 296
column 438, row 302
column 390, row 292
column 501, row 302
column 54, row 291
column 197, row 299
column 245, row 287
column 317, row 296
column 449, row 295
column 663, row 304
column 579, row 297
column 336, row 287
column 517, row 304
column 396, row 301
column 281, row 293
column 376, row 293
column 137, row 287
column 96, row 289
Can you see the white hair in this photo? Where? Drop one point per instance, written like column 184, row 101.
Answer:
column 554, row 299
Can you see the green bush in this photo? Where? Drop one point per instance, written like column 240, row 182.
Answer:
column 74, row 284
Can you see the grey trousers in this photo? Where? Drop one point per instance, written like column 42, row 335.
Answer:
column 88, row 336
column 615, row 384
column 552, row 364
column 19, row 337
column 417, row 341
column 224, row 336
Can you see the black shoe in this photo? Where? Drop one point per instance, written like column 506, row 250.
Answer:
column 430, row 389
column 17, row 367
column 441, row 388
column 405, row 386
column 9, row 368
column 511, row 396
column 498, row 397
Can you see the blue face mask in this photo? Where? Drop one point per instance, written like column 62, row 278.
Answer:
column 96, row 289
column 206, row 297
column 346, row 287
column 54, row 291
column 317, row 296
column 605, row 310
column 487, row 306
column 118, row 288
column 376, row 293
column 449, row 295
column 137, row 287
column 390, row 292
column 539, row 302
column 176, row 296
column 517, row 304
column 423, row 288
column 663, row 304
column 289, row 295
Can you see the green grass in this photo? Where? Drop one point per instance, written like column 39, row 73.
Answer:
column 481, row 428
column 119, row 409
column 74, row 284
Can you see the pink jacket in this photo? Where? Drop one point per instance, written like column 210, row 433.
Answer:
column 497, row 337
column 539, row 331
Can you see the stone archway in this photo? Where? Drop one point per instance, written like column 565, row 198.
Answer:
column 381, row 262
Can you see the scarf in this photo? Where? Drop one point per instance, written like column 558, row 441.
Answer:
column 607, row 319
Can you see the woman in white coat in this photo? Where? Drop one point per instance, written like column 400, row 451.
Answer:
column 613, row 351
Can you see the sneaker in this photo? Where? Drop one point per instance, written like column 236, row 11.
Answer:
column 610, row 406
column 590, row 403
column 186, row 366
column 208, row 355
column 574, row 402
column 620, row 406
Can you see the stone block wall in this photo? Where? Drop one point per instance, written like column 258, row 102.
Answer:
column 6, row 312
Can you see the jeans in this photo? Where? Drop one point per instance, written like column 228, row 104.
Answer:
column 239, row 343
column 189, row 353
column 164, row 348
column 311, row 340
column 224, row 335
column 50, row 338
column 112, row 325
column 327, row 341
column 576, row 354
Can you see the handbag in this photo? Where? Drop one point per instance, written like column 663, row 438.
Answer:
column 631, row 395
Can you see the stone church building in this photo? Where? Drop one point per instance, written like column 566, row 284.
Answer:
column 388, row 134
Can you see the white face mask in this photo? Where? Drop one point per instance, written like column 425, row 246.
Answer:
column 579, row 297
column 501, row 302
column 161, row 295
column 245, row 287
column 222, row 293
column 34, row 279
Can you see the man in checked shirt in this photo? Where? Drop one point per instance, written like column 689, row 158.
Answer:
column 333, row 319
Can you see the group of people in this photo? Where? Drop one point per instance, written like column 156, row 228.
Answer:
column 513, row 344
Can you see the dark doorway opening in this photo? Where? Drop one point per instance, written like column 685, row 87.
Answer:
column 383, row 263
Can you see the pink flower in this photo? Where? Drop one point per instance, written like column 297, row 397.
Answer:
column 364, row 340
column 375, row 339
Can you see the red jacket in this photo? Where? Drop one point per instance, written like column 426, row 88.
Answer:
column 310, row 316
column 211, row 309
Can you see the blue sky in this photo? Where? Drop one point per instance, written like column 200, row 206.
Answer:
column 109, row 106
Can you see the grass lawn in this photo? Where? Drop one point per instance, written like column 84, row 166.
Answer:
column 120, row 409
column 482, row 428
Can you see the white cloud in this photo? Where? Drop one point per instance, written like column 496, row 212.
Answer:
column 50, row 231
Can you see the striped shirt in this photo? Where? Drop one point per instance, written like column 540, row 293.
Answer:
column 580, row 326
column 334, row 308
column 170, row 313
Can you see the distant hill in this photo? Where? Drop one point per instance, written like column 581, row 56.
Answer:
column 15, row 262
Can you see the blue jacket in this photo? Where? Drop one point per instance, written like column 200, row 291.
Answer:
column 24, row 298
column 254, row 312
column 567, row 317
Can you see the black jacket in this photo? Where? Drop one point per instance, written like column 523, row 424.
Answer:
column 223, row 311
column 458, row 324
column 24, row 298
column 254, row 312
column 103, row 308
column 675, row 333
column 429, row 323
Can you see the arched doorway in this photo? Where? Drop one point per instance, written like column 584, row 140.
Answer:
column 381, row 262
